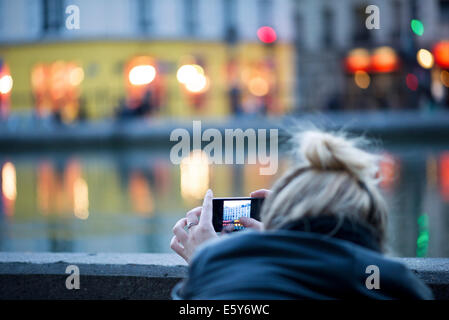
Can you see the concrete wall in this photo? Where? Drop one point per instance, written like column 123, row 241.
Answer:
column 134, row 276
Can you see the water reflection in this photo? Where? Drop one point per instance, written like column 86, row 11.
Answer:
column 127, row 201
column 9, row 189
column 194, row 175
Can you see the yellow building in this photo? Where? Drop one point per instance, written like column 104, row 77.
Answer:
column 96, row 40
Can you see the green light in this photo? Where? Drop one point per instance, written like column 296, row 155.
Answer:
column 417, row 27
column 422, row 242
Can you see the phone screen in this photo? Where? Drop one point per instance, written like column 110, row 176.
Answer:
column 228, row 211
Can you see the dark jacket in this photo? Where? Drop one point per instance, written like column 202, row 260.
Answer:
column 300, row 262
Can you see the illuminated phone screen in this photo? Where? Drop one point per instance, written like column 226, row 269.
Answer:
column 233, row 210
column 228, row 211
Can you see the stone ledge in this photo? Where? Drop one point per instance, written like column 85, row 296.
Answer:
column 135, row 276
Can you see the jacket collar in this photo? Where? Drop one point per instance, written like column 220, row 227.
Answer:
column 340, row 228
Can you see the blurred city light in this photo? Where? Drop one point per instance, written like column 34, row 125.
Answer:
column 441, row 53
column 76, row 76
column 425, row 58
column 358, row 60
column 185, row 72
column 195, row 175
column 192, row 77
column 141, row 75
column 197, row 84
column 417, row 27
column 388, row 170
column 6, row 83
column 422, row 242
column 80, row 199
column 444, row 176
column 411, row 81
column 362, row 79
column 384, row 59
column 258, row 86
column 9, row 187
column 444, row 77
column 266, row 34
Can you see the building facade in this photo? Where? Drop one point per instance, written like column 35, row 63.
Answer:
column 212, row 33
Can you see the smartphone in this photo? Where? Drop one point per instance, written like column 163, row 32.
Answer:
column 227, row 212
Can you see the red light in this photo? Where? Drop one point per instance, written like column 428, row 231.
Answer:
column 388, row 170
column 384, row 60
column 444, row 175
column 266, row 34
column 412, row 82
column 441, row 53
column 357, row 60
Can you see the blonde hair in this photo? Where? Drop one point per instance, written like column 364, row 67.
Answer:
column 334, row 177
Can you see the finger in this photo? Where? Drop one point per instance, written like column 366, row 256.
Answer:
column 176, row 247
column 261, row 193
column 206, row 211
column 227, row 229
column 193, row 215
column 251, row 223
column 179, row 231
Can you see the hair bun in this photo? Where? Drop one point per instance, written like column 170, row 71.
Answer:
column 326, row 151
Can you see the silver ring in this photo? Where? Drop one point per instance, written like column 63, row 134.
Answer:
column 191, row 224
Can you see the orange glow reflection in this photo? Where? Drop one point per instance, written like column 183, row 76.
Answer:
column 444, row 176
column 195, row 175
column 388, row 170
column 80, row 199
column 141, row 194
column 62, row 192
column 9, row 187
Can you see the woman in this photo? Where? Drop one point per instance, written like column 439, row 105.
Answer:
column 321, row 235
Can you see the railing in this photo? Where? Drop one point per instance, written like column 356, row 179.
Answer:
column 134, row 276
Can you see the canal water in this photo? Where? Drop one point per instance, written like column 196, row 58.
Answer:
column 127, row 200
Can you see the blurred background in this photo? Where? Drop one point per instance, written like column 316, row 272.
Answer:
column 86, row 113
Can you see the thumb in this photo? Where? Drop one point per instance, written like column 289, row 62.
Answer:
column 206, row 211
column 251, row 223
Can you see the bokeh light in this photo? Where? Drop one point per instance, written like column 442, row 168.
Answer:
column 9, row 187
column 76, row 76
column 258, row 86
column 358, row 59
column 411, row 81
column 6, row 83
column 141, row 75
column 441, row 53
column 444, row 175
column 388, row 170
column 197, row 84
column 417, row 27
column 266, row 34
column 185, row 72
column 425, row 58
column 362, row 79
column 384, row 59
column 193, row 78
